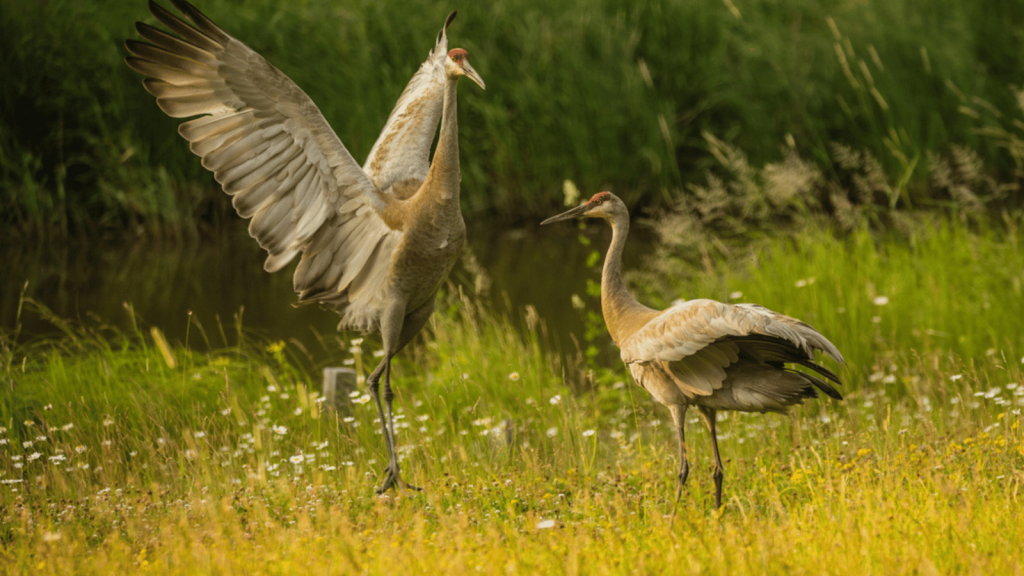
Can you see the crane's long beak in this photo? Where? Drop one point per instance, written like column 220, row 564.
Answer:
column 576, row 212
column 472, row 75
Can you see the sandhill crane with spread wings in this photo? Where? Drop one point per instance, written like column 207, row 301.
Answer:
column 705, row 353
column 376, row 241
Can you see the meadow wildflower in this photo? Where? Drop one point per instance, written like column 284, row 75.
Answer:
column 279, row 430
column 555, row 400
column 362, row 399
column 545, row 524
column 588, row 433
column 514, row 376
column 735, row 295
column 552, row 432
column 880, row 300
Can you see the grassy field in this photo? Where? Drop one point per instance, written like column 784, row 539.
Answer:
column 121, row 452
column 611, row 93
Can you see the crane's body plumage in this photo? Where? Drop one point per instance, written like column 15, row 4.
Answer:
column 377, row 240
column 705, row 353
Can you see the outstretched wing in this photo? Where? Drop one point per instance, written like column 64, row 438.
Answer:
column 402, row 151
column 271, row 149
column 698, row 339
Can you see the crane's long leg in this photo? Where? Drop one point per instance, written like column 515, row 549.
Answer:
column 395, row 475
column 374, row 384
column 709, row 418
column 397, row 329
column 679, row 417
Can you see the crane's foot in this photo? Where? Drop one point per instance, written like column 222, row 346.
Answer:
column 393, row 481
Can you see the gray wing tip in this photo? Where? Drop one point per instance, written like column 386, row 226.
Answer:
column 442, row 34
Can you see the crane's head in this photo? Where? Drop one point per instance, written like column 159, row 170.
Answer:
column 457, row 64
column 601, row 205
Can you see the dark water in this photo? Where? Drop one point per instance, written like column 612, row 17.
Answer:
column 222, row 276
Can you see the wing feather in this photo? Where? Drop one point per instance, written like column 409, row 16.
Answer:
column 269, row 146
column 402, row 151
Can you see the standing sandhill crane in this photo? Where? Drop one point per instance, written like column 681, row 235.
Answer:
column 705, row 353
column 377, row 241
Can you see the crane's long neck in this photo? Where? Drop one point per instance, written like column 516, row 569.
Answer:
column 622, row 313
column 444, row 172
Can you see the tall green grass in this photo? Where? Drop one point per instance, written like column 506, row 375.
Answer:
column 609, row 93
column 122, row 452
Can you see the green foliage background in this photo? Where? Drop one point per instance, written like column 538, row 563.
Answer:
column 609, row 93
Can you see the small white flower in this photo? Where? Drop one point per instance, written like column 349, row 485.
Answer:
column 423, row 418
column 555, row 400
column 545, row 524
column 552, row 432
column 348, row 419
column 108, row 421
column 514, row 376
column 588, row 433
column 33, row 456
column 67, row 427
column 801, row 283
column 41, row 438
column 271, row 388
column 735, row 295
column 190, row 454
column 57, row 458
column 362, row 399
column 26, row 444
column 298, row 411
column 297, row 459
column 889, row 379
column 577, row 302
column 880, row 300
column 279, row 430
column 357, row 342
column 354, row 394
column 531, row 401
column 48, row 407
column 956, row 377
column 348, row 361
column 199, row 434
column 3, row 441
column 80, row 449
column 482, row 421
column 225, row 411
column 378, row 353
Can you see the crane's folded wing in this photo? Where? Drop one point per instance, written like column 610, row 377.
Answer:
column 688, row 327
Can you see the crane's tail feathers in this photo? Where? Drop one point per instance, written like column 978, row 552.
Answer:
column 820, row 384
column 817, row 368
